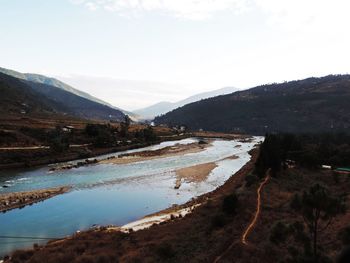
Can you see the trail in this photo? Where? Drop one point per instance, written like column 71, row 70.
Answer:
column 253, row 223
column 258, row 208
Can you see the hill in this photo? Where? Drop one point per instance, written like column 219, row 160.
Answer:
column 76, row 105
column 54, row 92
column 51, row 82
column 19, row 98
column 165, row 106
column 309, row 105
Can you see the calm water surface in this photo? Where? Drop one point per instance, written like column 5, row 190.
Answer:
column 106, row 194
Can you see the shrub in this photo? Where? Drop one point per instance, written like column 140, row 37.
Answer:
column 279, row 233
column 230, row 204
column 218, row 221
column 344, row 235
column 165, row 251
column 344, row 256
column 250, row 179
column 21, row 255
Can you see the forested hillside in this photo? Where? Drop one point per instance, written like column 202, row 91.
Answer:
column 313, row 104
column 27, row 97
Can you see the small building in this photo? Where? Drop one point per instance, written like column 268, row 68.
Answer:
column 68, row 128
column 182, row 128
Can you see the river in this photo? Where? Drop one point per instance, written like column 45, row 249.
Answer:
column 105, row 194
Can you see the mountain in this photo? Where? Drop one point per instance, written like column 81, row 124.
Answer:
column 51, row 82
column 59, row 99
column 19, row 98
column 164, row 106
column 59, row 84
column 309, row 105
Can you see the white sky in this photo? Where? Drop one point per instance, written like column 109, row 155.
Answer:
column 133, row 53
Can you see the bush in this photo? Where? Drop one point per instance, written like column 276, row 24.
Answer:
column 344, row 235
column 230, row 204
column 218, row 221
column 344, row 256
column 165, row 251
column 279, row 233
column 59, row 144
column 250, row 179
column 103, row 135
column 22, row 255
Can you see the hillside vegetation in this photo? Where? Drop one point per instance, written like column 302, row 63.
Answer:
column 18, row 97
column 29, row 97
column 51, row 82
column 309, row 105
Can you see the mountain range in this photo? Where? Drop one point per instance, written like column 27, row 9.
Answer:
column 163, row 107
column 43, row 94
column 309, row 105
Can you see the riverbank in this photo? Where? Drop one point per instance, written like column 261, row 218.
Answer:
column 202, row 230
column 9, row 201
column 113, row 241
column 43, row 156
column 169, row 151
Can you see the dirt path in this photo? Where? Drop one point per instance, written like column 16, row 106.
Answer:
column 258, row 208
column 253, row 223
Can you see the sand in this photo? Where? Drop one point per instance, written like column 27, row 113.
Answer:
column 196, row 173
column 158, row 218
column 170, row 151
column 10, row 201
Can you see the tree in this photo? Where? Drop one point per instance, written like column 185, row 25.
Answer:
column 230, row 203
column 271, row 155
column 124, row 126
column 344, row 235
column 317, row 208
column 57, row 140
column 102, row 135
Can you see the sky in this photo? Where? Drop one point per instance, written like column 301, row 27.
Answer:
column 133, row 53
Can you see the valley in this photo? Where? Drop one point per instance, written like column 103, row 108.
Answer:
column 174, row 131
column 112, row 185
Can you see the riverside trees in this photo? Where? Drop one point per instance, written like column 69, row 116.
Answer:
column 305, row 150
column 317, row 208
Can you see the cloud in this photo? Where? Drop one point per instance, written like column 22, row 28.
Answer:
column 319, row 15
column 291, row 14
column 186, row 9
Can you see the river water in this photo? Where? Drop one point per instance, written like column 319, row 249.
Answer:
column 105, row 194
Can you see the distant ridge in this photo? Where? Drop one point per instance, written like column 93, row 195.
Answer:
column 165, row 106
column 309, row 105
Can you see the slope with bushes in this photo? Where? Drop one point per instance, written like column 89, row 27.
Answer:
column 313, row 104
column 25, row 97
